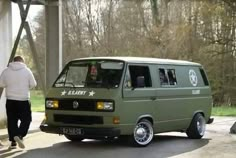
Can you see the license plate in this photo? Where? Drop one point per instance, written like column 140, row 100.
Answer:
column 72, row 131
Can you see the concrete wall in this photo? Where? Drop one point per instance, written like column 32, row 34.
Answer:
column 5, row 46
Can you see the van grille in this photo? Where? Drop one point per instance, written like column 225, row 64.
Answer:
column 83, row 105
column 77, row 119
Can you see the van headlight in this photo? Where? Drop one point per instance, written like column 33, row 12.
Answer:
column 52, row 104
column 105, row 106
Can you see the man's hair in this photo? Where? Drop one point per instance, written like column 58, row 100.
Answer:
column 18, row 59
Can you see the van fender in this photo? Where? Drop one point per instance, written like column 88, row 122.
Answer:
column 146, row 116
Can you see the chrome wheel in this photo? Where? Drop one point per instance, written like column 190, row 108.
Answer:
column 201, row 126
column 143, row 133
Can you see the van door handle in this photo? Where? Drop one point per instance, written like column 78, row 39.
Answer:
column 153, row 98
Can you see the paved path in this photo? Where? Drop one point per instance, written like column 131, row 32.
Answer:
column 37, row 118
column 217, row 143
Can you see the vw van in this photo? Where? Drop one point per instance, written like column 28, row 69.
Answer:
column 128, row 97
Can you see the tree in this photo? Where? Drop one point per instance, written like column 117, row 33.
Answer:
column 197, row 30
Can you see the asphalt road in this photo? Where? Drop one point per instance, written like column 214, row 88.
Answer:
column 217, row 143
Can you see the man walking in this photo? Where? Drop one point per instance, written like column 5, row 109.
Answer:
column 18, row 80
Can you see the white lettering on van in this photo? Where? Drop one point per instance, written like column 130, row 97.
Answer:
column 193, row 77
column 74, row 92
column 195, row 92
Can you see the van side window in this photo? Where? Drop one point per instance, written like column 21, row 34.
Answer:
column 204, row 77
column 167, row 77
column 163, row 77
column 171, row 76
column 140, row 76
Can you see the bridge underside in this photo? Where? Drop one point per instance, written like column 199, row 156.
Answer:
column 53, row 39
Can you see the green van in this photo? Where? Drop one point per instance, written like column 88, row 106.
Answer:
column 129, row 97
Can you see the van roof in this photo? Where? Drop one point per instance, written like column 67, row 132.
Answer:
column 143, row 60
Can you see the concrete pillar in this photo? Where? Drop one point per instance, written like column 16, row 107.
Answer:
column 5, row 46
column 54, row 41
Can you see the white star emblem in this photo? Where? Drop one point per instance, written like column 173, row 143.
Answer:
column 63, row 92
column 91, row 93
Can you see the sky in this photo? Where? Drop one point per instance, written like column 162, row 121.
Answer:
column 16, row 20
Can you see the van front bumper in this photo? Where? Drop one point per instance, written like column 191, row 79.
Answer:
column 86, row 132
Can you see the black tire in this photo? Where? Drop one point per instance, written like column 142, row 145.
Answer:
column 142, row 134
column 124, row 138
column 74, row 138
column 197, row 127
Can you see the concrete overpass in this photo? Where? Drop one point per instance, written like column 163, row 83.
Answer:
column 8, row 47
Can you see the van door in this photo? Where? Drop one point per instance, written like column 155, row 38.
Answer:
column 138, row 92
column 170, row 106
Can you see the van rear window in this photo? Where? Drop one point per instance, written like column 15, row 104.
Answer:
column 204, row 77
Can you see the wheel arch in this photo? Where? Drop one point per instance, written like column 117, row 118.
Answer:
column 147, row 116
column 198, row 112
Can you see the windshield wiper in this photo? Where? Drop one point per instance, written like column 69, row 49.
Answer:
column 70, row 83
column 65, row 83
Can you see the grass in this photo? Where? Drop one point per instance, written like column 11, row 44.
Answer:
column 37, row 101
column 37, row 105
column 224, row 111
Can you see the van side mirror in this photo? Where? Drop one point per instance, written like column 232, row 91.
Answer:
column 140, row 81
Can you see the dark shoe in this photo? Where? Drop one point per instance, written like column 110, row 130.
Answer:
column 19, row 142
column 12, row 146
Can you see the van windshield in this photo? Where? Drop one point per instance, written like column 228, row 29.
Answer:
column 92, row 74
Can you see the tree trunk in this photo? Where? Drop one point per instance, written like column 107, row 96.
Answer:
column 155, row 14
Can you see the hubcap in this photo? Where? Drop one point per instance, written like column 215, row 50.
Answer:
column 143, row 133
